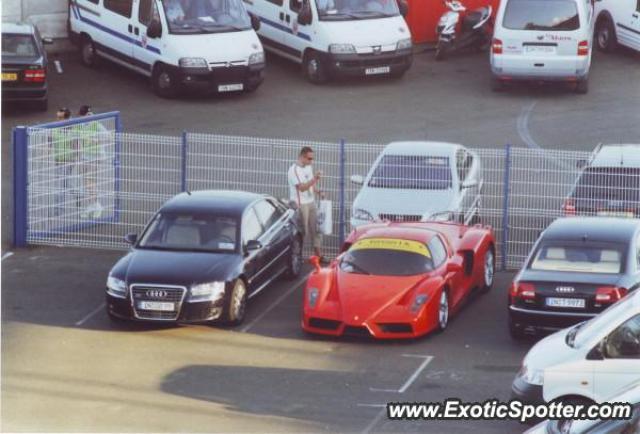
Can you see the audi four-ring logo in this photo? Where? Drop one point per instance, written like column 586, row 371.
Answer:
column 156, row 293
column 565, row 289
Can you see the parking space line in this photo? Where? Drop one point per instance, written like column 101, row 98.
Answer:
column 374, row 389
column 275, row 303
column 372, row 405
column 523, row 126
column 375, row 421
column 6, row 255
column 92, row 313
column 427, row 360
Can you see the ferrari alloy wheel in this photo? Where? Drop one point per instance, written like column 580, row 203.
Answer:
column 489, row 270
column 237, row 303
column 443, row 310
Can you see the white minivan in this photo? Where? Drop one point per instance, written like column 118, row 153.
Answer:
column 209, row 45
column 542, row 40
column 617, row 22
column 585, row 363
column 337, row 37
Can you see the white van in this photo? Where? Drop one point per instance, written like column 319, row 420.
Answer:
column 617, row 22
column 585, row 363
column 337, row 37
column 210, row 45
column 542, row 40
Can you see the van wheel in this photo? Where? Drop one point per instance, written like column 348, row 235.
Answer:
column 164, row 82
column 314, row 68
column 88, row 52
column 606, row 36
column 582, row 86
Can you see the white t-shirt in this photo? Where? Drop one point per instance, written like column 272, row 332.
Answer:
column 300, row 175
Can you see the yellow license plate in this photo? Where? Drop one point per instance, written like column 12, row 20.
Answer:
column 9, row 76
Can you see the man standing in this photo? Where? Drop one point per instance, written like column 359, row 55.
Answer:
column 64, row 156
column 91, row 156
column 302, row 191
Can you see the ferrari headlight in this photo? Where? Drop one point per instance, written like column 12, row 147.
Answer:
column 418, row 302
column 342, row 49
column 313, row 297
column 256, row 58
column 361, row 214
column 116, row 287
column 192, row 62
column 532, row 376
column 404, row 44
column 212, row 291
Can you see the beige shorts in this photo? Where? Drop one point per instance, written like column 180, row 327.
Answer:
column 308, row 214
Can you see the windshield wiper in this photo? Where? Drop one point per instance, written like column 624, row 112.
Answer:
column 356, row 266
column 221, row 28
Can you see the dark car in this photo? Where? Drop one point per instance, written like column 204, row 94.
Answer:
column 578, row 267
column 24, row 64
column 202, row 255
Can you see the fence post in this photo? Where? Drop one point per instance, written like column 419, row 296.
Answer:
column 183, row 183
column 505, row 206
column 20, row 182
column 116, row 168
column 342, row 193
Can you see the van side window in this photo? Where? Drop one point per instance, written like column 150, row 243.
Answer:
column 638, row 6
column 295, row 5
column 276, row 2
column 120, row 7
column 95, row 2
column 144, row 11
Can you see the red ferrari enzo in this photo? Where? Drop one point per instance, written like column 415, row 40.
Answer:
column 399, row 280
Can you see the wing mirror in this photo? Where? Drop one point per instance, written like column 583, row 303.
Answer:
column 581, row 164
column 154, row 30
column 253, row 245
column 47, row 41
column 469, row 184
column 255, row 22
column 357, row 179
column 453, row 267
column 305, row 16
column 131, row 238
column 315, row 261
column 403, row 6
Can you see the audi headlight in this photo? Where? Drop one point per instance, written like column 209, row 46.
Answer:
column 212, row 291
column 532, row 376
column 419, row 301
column 361, row 214
column 313, row 297
column 342, row 49
column 404, row 44
column 116, row 287
column 193, row 62
column 256, row 58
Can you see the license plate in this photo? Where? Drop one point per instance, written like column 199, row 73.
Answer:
column 378, row 70
column 539, row 49
column 574, row 303
column 156, row 305
column 9, row 76
column 627, row 214
column 230, row 87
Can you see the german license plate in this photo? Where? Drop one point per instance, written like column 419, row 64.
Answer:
column 230, row 87
column 573, row 303
column 9, row 76
column 156, row 305
column 378, row 70
column 539, row 49
column 627, row 214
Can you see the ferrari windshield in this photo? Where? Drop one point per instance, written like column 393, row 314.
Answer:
column 387, row 257
column 191, row 232
column 342, row 10
column 602, row 259
column 415, row 172
column 206, row 16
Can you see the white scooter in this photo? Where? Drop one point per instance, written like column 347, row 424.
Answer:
column 475, row 31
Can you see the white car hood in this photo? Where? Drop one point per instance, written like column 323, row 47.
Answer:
column 218, row 47
column 550, row 351
column 367, row 33
column 402, row 201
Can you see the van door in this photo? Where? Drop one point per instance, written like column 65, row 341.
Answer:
column 298, row 36
column 634, row 27
column 146, row 50
column 271, row 15
column 118, row 42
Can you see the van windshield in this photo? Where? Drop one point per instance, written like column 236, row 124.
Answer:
column 206, row 16
column 344, row 10
column 541, row 15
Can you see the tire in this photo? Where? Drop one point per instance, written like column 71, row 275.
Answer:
column 582, row 86
column 164, row 82
column 443, row 311
column 236, row 303
column 441, row 51
column 606, row 39
column 314, row 68
column 489, row 270
column 294, row 263
column 497, row 85
column 88, row 55
column 515, row 331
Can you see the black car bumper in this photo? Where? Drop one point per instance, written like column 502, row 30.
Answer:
column 539, row 319
column 185, row 312
column 24, row 93
column 357, row 65
column 221, row 79
column 525, row 392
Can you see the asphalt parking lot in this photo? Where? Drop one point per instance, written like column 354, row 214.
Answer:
column 67, row 368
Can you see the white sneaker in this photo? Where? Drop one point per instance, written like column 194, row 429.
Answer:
column 97, row 210
column 92, row 211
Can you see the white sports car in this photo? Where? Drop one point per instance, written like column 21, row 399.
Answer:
column 420, row 181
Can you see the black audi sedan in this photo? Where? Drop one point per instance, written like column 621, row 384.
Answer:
column 578, row 267
column 202, row 255
column 24, row 64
